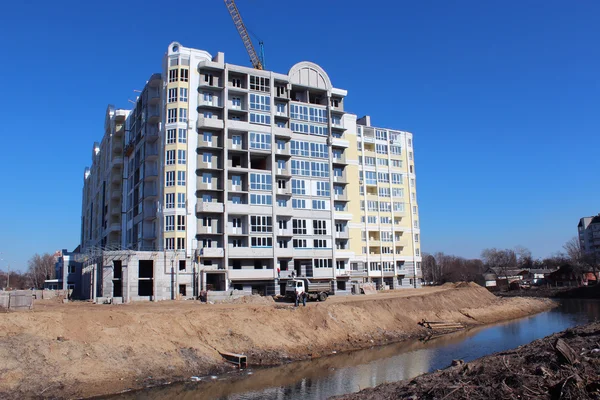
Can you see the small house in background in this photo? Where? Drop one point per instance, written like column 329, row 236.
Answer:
column 570, row 276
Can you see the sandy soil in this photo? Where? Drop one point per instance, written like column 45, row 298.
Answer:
column 538, row 370
column 81, row 349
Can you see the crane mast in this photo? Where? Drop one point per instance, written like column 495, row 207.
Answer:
column 256, row 60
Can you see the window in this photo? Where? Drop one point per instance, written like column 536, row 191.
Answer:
column 320, row 150
column 182, row 265
column 183, row 94
column 261, row 241
column 339, row 172
column 369, row 160
column 237, row 243
column 397, row 179
column 300, row 168
column 397, row 150
column 171, row 133
column 261, row 141
column 337, row 154
column 180, row 178
column 386, row 236
column 282, row 244
column 180, row 156
column 371, row 177
column 320, row 243
column 299, row 243
column 184, row 75
column 398, row 207
column 263, row 119
column 180, row 200
column 260, row 102
column 410, row 155
column 417, row 237
column 182, row 135
column 171, row 115
column 280, row 108
column 170, row 178
column 236, row 82
column 236, row 180
column 170, row 158
column 281, row 165
column 208, row 79
column 385, row 220
column 338, row 189
column 207, row 97
column 320, row 169
column 383, row 162
column 298, row 203
column 181, row 222
column 170, row 244
column 236, row 199
column 381, row 135
column 319, row 205
column 261, row 224
column 298, row 186
column 173, row 74
column 383, row 177
column 172, row 95
column 323, row 189
column 398, row 192
column 261, row 199
column 335, row 103
column 236, row 140
column 397, row 163
column 260, row 181
column 414, row 210
column 299, row 148
column 236, row 102
column 299, row 226
column 336, row 120
column 169, row 223
column 282, row 202
column 281, row 145
column 207, row 137
column 384, row 192
column 260, row 84
column 207, row 157
column 381, row 148
column 180, row 243
column 319, row 227
column 207, row 114
column 183, row 115
column 170, row 200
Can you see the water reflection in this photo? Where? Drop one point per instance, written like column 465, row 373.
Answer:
column 350, row 372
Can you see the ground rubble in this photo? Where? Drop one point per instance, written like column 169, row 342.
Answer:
column 565, row 365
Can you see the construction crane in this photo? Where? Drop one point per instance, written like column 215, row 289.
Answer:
column 258, row 61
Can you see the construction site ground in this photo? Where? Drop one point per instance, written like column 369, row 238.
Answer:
column 82, row 349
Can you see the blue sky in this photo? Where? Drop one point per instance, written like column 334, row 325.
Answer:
column 502, row 98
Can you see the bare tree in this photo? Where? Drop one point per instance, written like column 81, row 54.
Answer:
column 500, row 260
column 431, row 270
column 40, row 268
column 573, row 249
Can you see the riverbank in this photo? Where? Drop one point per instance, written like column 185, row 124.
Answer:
column 583, row 292
column 81, row 349
column 564, row 365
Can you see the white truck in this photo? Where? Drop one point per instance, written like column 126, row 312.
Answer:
column 314, row 290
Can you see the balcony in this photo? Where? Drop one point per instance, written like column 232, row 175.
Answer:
column 153, row 114
column 237, row 230
column 150, row 213
column 336, row 142
column 150, row 191
column 284, row 191
column 213, row 229
column 341, row 159
column 212, row 252
column 212, row 123
column 345, row 253
column 284, row 232
column 250, row 252
column 210, row 207
column 234, row 208
column 207, row 186
column 116, row 162
column 342, row 235
column 287, row 210
column 343, row 216
column 237, row 125
column 115, row 194
column 340, row 179
column 152, row 133
column 251, row 274
column 114, row 227
column 283, row 172
column 115, row 178
column 153, row 96
column 151, row 175
column 283, row 152
column 340, row 197
column 282, row 132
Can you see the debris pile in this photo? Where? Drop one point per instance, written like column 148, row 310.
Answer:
column 565, row 365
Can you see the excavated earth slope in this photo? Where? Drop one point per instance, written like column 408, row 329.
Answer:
column 82, row 349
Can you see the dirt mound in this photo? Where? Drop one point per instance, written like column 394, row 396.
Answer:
column 565, row 365
column 254, row 299
column 114, row 347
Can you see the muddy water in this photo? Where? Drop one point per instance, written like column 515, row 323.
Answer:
column 350, row 372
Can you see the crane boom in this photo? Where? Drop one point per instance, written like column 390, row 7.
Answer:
column 241, row 28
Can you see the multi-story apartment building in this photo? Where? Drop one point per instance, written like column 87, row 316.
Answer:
column 386, row 219
column 588, row 233
column 240, row 178
column 102, row 186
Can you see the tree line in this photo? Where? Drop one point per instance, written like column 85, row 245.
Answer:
column 39, row 268
column 439, row 268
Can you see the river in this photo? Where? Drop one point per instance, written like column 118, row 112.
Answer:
column 350, row 372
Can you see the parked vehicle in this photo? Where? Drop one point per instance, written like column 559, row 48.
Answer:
column 315, row 290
